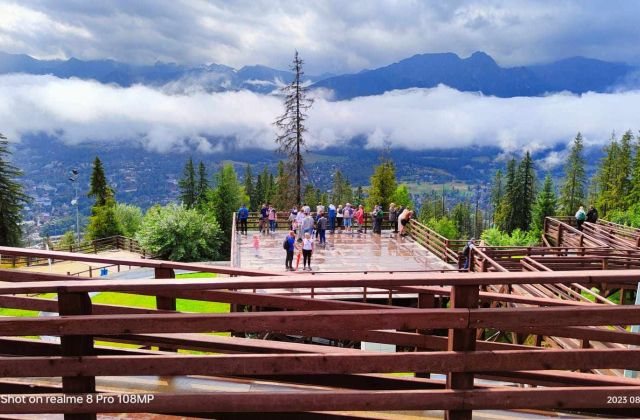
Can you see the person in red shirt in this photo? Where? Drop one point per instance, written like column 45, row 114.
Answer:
column 359, row 217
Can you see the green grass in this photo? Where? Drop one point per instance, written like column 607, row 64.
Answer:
column 149, row 302
column 17, row 312
column 195, row 275
column 23, row 312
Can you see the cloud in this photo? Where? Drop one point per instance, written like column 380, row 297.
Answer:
column 332, row 35
column 80, row 111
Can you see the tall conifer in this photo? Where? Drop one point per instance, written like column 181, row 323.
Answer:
column 98, row 187
column 188, row 188
column 12, row 198
column 545, row 204
column 572, row 192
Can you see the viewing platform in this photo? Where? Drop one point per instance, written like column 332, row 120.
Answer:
column 357, row 252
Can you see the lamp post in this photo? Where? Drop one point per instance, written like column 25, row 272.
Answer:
column 74, row 180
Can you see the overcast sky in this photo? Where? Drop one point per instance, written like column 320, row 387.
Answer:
column 333, row 36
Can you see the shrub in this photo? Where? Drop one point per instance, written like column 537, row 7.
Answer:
column 128, row 218
column 496, row 237
column 176, row 233
column 444, row 226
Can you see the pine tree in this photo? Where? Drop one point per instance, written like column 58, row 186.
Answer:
column 461, row 216
column 358, row 198
column 98, row 187
column 260, row 191
column 282, row 198
column 271, row 188
column 505, row 214
column 525, row 195
column 623, row 172
column 606, row 177
column 103, row 222
column 188, row 188
column 347, row 191
column 12, row 198
column 291, row 124
column 225, row 200
column 203, row 184
column 249, row 190
column 572, row 194
column 545, row 204
column 309, row 197
column 634, row 191
column 337, row 194
column 383, row 184
column 497, row 194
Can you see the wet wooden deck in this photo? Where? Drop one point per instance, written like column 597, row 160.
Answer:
column 343, row 252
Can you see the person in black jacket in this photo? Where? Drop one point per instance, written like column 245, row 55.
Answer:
column 592, row 215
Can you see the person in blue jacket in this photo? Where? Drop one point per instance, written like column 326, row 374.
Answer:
column 290, row 247
column 243, row 215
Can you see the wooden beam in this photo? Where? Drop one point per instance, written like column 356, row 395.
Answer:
column 319, row 364
column 550, row 398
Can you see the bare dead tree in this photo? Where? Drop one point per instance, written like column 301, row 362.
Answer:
column 291, row 124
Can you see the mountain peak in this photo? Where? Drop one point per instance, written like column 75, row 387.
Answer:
column 481, row 57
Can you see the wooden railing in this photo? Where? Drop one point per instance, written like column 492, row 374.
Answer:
column 93, row 247
column 449, row 301
column 282, row 221
column 445, row 249
column 616, row 235
column 558, row 233
column 235, row 242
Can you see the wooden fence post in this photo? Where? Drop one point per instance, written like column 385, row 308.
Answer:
column 559, row 237
column 163, row 302
column 77, row 303
column 462, row 340
column 425, row 301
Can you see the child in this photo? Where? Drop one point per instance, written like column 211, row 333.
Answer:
column 307, row 250
column 256, row 244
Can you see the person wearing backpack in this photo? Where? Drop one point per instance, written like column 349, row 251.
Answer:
column 466, row 252
column 347, row 215
column 581, row 216
column 289, row 245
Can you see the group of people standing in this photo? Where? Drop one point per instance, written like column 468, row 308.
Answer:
column 306, row 228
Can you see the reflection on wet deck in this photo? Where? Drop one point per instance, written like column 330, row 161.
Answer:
column 344, row 252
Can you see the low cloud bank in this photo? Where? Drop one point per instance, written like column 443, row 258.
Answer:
column 80, row 111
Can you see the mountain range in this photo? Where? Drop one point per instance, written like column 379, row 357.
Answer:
column 476, row 73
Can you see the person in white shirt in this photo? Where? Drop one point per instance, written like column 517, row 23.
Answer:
column 307, row 251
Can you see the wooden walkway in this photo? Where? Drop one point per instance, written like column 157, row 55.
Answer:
column 292, row 354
